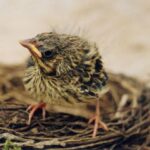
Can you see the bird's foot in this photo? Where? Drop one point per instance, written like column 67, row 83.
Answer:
column 33, row 108
column 97, row 124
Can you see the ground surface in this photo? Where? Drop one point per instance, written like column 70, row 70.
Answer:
column 125, row 109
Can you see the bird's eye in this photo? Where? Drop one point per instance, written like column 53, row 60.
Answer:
column 48, row 54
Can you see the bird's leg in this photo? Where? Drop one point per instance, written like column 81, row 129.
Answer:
column 97, row 121
column 33, row 108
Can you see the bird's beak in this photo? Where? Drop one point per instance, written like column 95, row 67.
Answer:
column 31, row 47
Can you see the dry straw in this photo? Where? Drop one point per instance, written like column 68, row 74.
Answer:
column 125, row 109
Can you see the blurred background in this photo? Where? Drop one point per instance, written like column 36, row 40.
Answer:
column 121, row 29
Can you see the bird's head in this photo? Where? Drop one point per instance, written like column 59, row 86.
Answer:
column 54, row 53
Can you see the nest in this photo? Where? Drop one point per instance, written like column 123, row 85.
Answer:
column 125, row 109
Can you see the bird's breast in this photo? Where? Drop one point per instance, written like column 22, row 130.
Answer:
column 40, row 87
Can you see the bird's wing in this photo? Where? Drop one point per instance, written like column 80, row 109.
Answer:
column 92, row 77
column 89, row 77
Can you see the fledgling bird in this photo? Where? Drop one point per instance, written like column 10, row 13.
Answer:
column 64, row 70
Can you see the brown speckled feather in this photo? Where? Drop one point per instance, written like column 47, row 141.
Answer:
column 76, row 74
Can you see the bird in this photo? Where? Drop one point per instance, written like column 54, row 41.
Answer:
column 64, row 70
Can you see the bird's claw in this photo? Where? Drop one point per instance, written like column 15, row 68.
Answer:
column 97, row 124
column 33, row 108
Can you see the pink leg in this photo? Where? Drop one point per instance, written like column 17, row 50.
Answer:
column 97, row 121
column 34, row 108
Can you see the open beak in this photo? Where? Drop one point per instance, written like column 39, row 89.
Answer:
column 31, row 47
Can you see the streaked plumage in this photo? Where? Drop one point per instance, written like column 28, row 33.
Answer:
column 77, row 76
column 70, row 70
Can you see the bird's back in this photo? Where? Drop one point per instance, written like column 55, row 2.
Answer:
column 88, row 77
